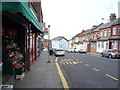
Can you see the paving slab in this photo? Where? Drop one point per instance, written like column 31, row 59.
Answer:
column 41, row 74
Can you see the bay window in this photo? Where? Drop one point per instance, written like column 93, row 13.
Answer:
column 105, row 33
column 109, row 33
column 114, row 31
column 118, row 30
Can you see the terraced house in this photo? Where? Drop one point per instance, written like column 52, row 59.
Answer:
column 100, row 37
column 114, row 39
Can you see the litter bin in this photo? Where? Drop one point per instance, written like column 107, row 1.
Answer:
column 50, row 52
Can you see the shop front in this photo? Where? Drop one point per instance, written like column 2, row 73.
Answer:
column 32, row 47
column 19, row 29
column 13, row 50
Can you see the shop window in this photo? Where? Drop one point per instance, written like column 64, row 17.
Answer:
column 114, row 31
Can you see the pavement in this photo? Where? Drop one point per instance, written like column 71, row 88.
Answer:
column 41, row 74
column 98, row 54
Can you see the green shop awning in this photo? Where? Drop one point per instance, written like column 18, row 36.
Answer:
column 22, row 7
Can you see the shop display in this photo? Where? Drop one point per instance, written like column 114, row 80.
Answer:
column 12, row 51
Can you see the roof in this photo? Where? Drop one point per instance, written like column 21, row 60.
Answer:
column 99, row 26
column 59, row 38
column 109, row 24
column 117, row 22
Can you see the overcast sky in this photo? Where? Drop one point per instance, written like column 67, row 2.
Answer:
column 69, row 17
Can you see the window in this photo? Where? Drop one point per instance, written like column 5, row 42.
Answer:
column 105, row 33
column 115, row 45
column 119, row 45
column 92, row 36
column 119, row 30
column 101, row 33
column 95, row 36
column 114, row 31
column 98, row 44
column 102, row 44
column 109, row 33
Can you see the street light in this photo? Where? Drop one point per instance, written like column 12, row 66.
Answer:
column 48, row 44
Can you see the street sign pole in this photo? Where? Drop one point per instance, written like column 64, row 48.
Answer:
column 48, row 44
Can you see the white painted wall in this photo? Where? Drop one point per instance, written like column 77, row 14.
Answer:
column 60, row 44
column 63, row 44
column 100, row 48
column 55, row 44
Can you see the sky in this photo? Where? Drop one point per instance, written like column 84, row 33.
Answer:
column 69, row 17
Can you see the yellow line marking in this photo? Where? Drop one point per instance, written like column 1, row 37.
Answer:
column 68, row 59
column 76, row 59
column 64, row 82
column 64, row 59
column 70, row 62
column 77, row 62
column 67, row 63
column 74, row 63
column 96, row 69
column 112, row 77
column 80, row 62
column 86, row 65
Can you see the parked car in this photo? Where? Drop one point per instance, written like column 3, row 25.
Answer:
column 82, row 51
column 70, row 50
column 76, row 50
column 111, row 53
column 59, row 52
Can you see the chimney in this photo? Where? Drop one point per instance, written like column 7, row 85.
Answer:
column 112, row 16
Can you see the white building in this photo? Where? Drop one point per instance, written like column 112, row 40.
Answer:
column 70, row 44
column 59, row 43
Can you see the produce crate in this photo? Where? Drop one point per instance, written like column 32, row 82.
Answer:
column 19, row 70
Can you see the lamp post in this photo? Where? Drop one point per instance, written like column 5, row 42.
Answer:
column 48, row 44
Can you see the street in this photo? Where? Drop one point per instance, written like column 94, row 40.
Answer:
column 89, row 71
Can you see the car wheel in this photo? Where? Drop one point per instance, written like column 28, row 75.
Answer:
column 110, row 56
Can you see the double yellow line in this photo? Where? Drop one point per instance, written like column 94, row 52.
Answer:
column 64, row 82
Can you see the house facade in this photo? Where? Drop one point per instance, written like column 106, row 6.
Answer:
column 94, row 38
column 105, row 34
column 114, row 40
column 59, row 43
